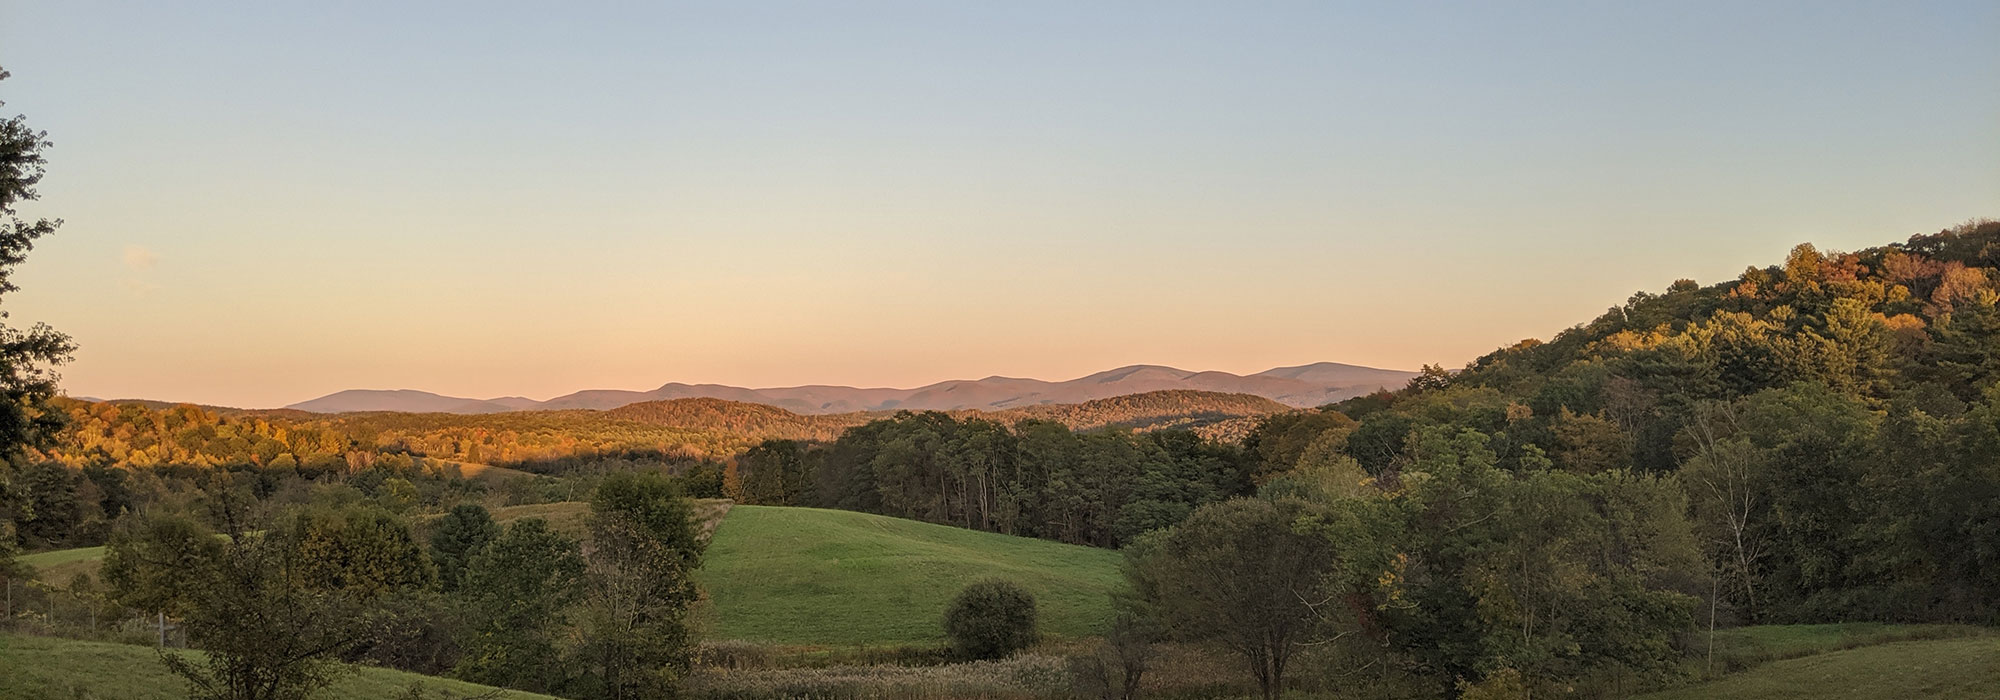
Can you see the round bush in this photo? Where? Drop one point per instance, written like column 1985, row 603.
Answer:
column 990, row 619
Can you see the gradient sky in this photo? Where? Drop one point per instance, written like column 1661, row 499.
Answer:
column 271, row 201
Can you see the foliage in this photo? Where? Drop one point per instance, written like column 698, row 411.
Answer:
column 676, row 434
column 518, row 592
column 1036, row 479
column 276, row 607
column 1237, row 574
column 458, row 537
column 363, row 550
column 991, row 619
column 27, row 381
column 266, row 632
column 27, row 358
column 157, row 562
column 639, row 585
column 776, row 473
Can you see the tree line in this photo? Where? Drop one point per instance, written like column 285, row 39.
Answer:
column 1033, row 479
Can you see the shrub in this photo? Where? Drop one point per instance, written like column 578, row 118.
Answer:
column 990, row 619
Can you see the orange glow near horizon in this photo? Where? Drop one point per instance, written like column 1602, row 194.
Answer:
column 266, row 204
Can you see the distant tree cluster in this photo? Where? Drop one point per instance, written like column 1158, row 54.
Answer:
column 136, row 434
column 1035, row 479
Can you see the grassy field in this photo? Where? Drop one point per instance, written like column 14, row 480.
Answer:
column 60, row 565
column 826, row 577
column 572, row 517
column 1967, row 667
column 1745, row 647
column 32, row 668
column 43, row 560
column 804, row 576
column 489, row 472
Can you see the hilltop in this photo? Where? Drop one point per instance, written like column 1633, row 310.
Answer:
column 1302, row 386
column 138, row 433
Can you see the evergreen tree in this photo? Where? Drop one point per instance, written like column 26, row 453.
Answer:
column 459, row 537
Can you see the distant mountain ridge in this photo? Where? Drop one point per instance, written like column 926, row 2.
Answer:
column 1301, row 386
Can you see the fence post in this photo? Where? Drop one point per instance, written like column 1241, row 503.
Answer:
column 163, row 630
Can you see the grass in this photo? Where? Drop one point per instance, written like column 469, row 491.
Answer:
column 1966, row 667
column 59, row 566
column 32, row 668
column 566, row 517
column 807, row 576
column 1744, row 647
column 572, row 517
column 43, row 560
column 489, row 472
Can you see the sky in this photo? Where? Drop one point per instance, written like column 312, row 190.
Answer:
column 267, row 202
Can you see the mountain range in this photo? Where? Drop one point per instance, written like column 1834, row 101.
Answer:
column 1301, row 386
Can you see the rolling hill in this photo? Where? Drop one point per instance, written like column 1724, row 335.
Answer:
column 33, row 668
column 1301, row 386
column 807, row 576
column 142, row 434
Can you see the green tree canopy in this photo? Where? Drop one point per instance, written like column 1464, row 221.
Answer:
column 991, row 619
column 460, row 535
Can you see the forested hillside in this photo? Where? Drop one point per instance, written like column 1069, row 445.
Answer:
column 115, row 456
column 1834, row 421
column 144, row 434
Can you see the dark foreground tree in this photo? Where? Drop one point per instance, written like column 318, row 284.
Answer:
column 635, row 641
column 518, row 591
column 460, row 535
column 27, row 380
column 157, row 562
column 1236, row 574
column 244, row 600
column 991, row 619
column 364, row 550
column 266, row 637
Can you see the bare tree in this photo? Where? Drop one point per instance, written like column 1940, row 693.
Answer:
column 1725, row 481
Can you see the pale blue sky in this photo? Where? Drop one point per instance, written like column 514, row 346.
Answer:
column 271, row 201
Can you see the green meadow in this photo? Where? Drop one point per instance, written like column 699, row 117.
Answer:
column 34, row 668
column 807, row 576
